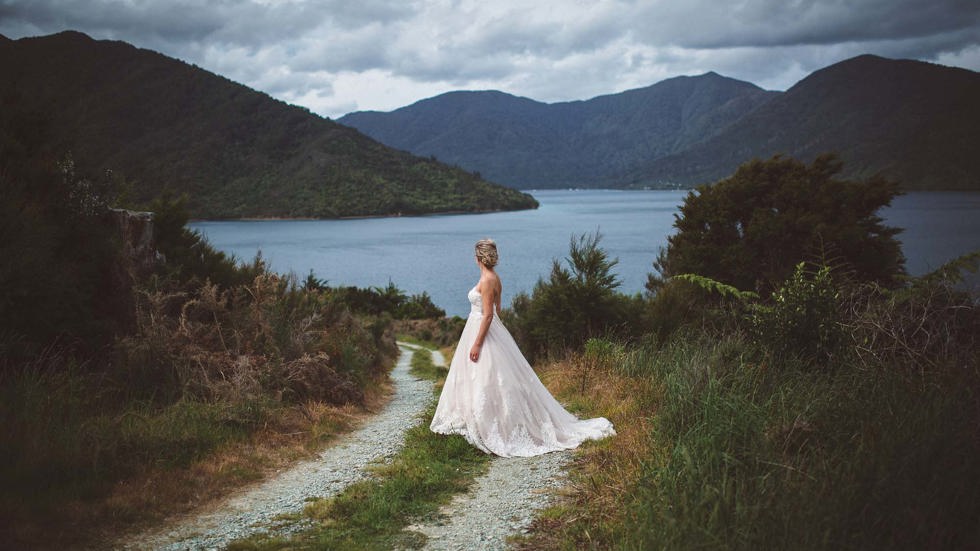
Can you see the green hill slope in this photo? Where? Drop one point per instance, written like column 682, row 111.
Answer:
column 164, row 124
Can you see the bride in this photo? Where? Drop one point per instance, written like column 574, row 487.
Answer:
column 492, row 397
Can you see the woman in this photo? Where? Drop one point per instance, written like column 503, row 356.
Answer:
column 492, row 396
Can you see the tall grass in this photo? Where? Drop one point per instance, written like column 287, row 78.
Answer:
column 738, row 453
column 759, row 457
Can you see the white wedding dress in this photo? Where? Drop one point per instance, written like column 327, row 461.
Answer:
column 498, row 403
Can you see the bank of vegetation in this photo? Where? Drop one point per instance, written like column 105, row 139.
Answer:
column 784, row 385
column 142, row 372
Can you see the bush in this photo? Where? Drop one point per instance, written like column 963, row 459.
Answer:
column 376, row 301
column 575, row 304
column 802, row 319
column 59, row 256
column 929, row 325
column 189, row 256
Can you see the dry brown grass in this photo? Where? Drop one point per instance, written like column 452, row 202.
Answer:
column 150, row 497
column 603, row 473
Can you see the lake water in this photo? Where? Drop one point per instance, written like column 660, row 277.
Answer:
column 435, row 253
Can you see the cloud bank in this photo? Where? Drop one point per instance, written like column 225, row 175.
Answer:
column 338, row 56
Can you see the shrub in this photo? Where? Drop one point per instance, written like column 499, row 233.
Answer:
column 574, row 304
column 803, row 318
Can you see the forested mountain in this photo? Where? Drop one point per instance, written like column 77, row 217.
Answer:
column 528, row 144
column 162, row 124
column 915, row 122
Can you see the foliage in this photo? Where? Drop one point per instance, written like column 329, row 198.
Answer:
column 441, row 332
column 269, row 338
column 712, row 286
column 803, row 318
column 750, row 230
column 574, row 304
column 390, row 301
column 952, row 272
column 188, row 254
column 598, row 355
column 109, row 374
column 763, row 458
column 930, row 325
column 753, row 451
column 58, row 246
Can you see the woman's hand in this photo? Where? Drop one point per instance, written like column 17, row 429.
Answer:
column 475, row 352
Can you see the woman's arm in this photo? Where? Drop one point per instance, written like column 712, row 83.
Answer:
column 487, row 292
column 499, row 299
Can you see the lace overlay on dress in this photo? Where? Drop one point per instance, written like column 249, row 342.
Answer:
column 498, row 403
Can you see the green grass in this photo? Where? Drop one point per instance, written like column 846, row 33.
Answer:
column 65, row 437
column 372, row 514
column 746, row 454
column 424, row 368
column 777, row 457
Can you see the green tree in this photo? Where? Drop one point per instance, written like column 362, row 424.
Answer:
column 574, row 304
column 751, row 229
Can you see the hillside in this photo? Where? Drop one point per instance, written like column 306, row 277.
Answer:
column 528, row 144
column 163, row 124
column 913, row 122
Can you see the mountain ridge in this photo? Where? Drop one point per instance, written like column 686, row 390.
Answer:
column 526, row 143
column 906, row 120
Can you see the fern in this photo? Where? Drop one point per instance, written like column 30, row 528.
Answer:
column 953, row 271
column 713, row 286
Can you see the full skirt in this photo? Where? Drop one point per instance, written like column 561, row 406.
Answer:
column 500, row 406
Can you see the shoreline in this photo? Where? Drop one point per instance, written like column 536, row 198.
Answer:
column 359, row 217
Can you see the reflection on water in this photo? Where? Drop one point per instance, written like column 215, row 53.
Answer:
column 435, row 253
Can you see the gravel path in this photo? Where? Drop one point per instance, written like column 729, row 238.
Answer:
column 255, row 508
column 503, row 502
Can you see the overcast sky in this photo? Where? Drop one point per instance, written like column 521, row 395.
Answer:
column 337, row 56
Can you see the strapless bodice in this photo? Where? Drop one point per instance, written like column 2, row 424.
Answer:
column 476, row 301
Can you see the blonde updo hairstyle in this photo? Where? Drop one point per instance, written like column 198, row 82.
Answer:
column 486, row 252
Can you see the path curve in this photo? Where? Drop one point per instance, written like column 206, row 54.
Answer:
column 503, row 502
column 254, row 509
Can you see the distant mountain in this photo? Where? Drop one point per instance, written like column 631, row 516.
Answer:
column 528, row 144
column 164, row 124
column 914, row 122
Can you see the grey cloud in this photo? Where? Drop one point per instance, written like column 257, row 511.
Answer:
column 760, row 23
column 549, row 50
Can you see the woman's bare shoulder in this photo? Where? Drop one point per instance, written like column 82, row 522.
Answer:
column 490, row 282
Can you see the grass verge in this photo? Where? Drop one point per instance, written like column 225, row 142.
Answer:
column 108, row 468
column 423, row 367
